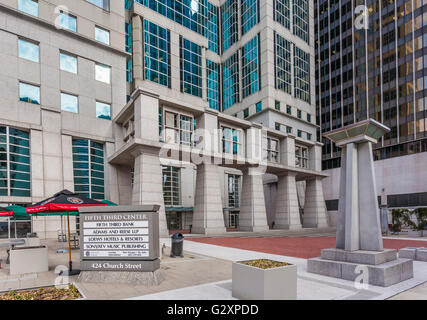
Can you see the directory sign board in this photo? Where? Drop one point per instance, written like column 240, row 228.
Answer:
column 120, row 238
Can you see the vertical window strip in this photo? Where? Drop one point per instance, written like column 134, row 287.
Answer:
column 249, row 17
column 15, row 164
column 191, row 67
column 250, row 70
column 88, row 164
column 283, row 64
column 301, row 74
column 231, row 81
column 156, row 54
column 282, row 13
column 212, row 84
column 171, row 186
column 300, row 19
column 229, row 14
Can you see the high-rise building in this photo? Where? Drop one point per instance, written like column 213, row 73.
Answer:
column 120, row 100
column 371, row 62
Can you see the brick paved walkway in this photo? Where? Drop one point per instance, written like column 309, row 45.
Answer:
column 299, row 247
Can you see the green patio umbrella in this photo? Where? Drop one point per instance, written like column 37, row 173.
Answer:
column 19, row 212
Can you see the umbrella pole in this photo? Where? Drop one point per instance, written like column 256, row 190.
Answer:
column 70, row 264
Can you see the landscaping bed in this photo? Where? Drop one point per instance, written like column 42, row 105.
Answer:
column 48, row 293
column 264, row 263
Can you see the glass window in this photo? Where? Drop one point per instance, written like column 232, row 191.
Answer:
column 88, row 165
column 28, row 50
column 301, row 19
column 249, row 9
column 277, row 126
column 233, row 191
column 301, row 74
column 250, row 67
column 104, row 4
column 102, row 73
column 283, row 64
column 288, row 129
column 271, row 149
column 231, row 141
column 288, row 109
column 69, row 103
column 67, row 21
column 15, row 162
column 258, row 107
column 198, row 15
column 299, row 113
column 29, row 6
column 246, row 113
column 178, row 128
column 103, row 110
column 68, row 63
column 212, row 84
column 171, row 186
column 191, row 67
column 277, row 105
column 157, row 54
column 231, row 81
column 29, row 93
column 282, row 13
column 301, row 156
column 102, row 35
column 229, row 13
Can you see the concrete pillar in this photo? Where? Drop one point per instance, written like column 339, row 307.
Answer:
column 137, row 48
column 315, row 213
column 287, row 151
column 253, row 214
column 287, row 209
column 208, row 217
column 147, row 186
column 67, row 162
column 340, row 241
column 369, row 224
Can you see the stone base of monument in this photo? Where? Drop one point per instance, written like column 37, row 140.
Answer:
column 417, row 254
column 130, row 277
column 384, row 267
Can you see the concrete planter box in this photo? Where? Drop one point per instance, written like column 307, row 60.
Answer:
column 28, row 260
column 252, row 283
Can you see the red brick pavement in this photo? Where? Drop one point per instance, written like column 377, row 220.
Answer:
column 300, row 247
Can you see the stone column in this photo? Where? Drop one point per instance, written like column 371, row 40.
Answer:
column 208, row 217
column 315, row 214
column 137, row 48
column 253, row 215
column 287, row 209
column 370, row 225
column 147, row 186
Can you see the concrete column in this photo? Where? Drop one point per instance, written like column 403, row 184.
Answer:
column 287, row 209
column 146, row 111
column 369, row 221
column 287, row 151
column 67, row 162
column 253, row 215
column 340, row 242
column 137, row 48
column 351, row 200
column 315, row 214
column 208, row 217
column 147, row 186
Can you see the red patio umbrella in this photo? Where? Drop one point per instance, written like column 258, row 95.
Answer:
column 5, row 212
column 64, row 201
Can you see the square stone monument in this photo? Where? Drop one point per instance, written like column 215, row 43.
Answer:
column 359, row 245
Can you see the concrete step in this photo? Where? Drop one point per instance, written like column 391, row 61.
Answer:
column 360, row 256
column 383, row 275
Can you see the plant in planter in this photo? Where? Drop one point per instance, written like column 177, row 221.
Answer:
column 264, row 279
column 397, row 219
column 416, row 221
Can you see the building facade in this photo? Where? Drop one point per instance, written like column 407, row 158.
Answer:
column 204, row 107
column 63, row 73
column 375, row 68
